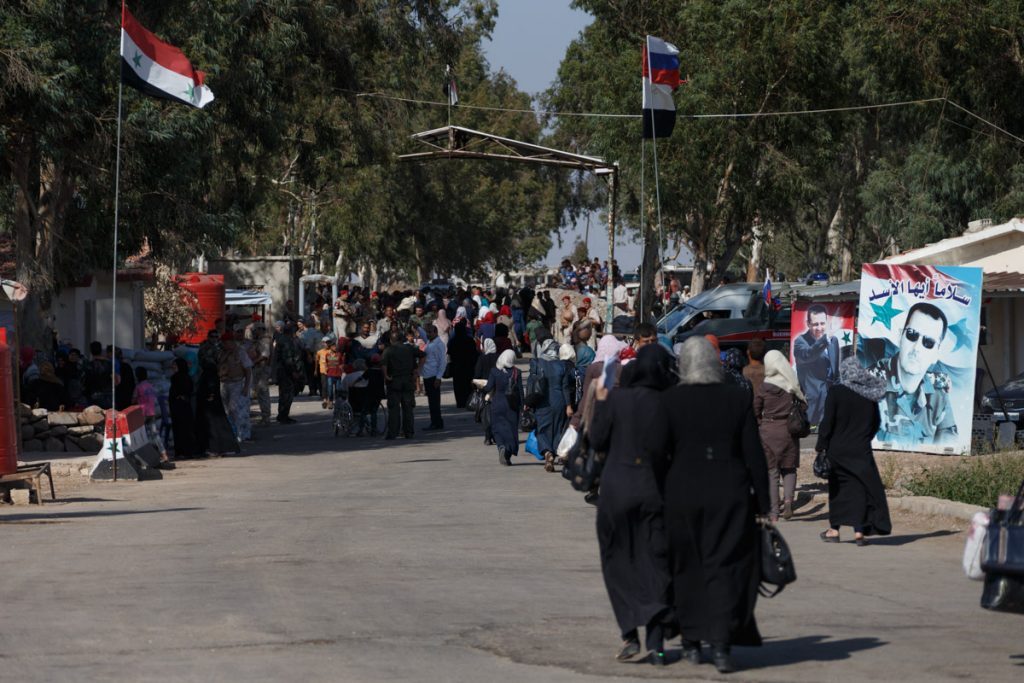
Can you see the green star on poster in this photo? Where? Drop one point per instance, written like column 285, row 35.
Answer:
column 885, row 313
column 847, row 340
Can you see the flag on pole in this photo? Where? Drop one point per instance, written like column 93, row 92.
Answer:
column 660, row 79
column 766, row 291
column 450, row 89
column 158, row 69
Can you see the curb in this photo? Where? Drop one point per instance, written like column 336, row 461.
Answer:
column 936, row 506
column 925, row 505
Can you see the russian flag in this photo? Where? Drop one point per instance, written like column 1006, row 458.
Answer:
column 660, row 78
column 766, row 291
column 158, row 69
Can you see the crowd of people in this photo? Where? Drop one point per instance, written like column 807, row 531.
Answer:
column 696, row 447
column 695, row 441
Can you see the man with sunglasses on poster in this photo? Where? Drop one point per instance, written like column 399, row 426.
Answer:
column 916, row 408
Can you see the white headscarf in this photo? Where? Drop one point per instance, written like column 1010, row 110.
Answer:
column 506, row 360
column 566, row 352
column 489, row 346
column 608, row 349
column 778, row 372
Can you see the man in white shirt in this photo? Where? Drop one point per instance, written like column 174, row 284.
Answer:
column 434, row 365
column 620, row 299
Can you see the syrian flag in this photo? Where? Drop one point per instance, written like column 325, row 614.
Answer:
column 450, row 89
column 158, row 69
column 660, row 78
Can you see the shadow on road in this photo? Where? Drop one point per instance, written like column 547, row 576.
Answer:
column 803, row 649
column 85, row 515
column 1020, row 657
column 405, row 462
column 909, row 538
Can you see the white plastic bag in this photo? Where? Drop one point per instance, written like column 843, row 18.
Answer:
column 975, row 546
column 567, row 442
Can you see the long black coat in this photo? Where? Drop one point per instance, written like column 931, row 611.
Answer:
column 715, row 460
column 856, row 496
column 630, row 523
column 504, row 420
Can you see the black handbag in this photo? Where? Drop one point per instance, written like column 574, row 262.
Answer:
column 797, row 422
column 527, row 421
column 822, row 466
column 476, row 399
column 777, row 568
column 1003, row 558
column 1004, row 544
column 583, row 465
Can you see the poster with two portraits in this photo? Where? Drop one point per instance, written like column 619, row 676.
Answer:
column 917, row 328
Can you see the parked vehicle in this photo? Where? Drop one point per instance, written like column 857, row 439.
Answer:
column 734, row 313
column 1012, row 394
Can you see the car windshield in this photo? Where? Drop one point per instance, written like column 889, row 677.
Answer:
column 674, row 317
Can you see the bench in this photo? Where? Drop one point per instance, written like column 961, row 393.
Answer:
column 28, row 477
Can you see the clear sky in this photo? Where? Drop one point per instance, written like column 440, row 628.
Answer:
column 529, row 41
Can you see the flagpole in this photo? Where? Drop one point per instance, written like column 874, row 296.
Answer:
column 654, row 152
column 643, row 231
column 113, row 291
column 448, row 75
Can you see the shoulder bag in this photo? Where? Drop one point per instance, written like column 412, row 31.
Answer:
column 512, row 391
column 1003, row 558
column 797, row 422
column 777, row 568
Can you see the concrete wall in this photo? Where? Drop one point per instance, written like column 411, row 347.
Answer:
column 277, row 275
column 1005, row 348
column 82, row 314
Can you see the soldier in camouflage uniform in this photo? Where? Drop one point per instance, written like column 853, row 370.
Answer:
column 916, row 409
column 288, row 359
column 260, row 353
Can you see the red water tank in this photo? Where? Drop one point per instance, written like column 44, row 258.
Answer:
column 10, row 430
column 209, row 292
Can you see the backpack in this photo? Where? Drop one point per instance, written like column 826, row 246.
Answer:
column 511, row 393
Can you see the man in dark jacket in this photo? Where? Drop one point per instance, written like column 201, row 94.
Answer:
column 288, row 361
column 817, row 361
column 400, row 361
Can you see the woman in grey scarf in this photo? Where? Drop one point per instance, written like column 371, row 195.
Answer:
column 851, row 419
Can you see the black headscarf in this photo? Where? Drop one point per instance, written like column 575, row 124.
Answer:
column 652, row 368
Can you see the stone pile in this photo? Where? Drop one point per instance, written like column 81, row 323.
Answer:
column 58, row 432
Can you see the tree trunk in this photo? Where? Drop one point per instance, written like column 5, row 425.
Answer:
column 756, row 255
column 32, row 327
column 650, row 266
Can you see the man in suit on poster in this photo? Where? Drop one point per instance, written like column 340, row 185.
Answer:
column 817, row 361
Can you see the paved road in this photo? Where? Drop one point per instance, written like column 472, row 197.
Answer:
column 344, row 560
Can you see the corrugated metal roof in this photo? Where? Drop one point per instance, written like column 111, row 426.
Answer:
column 1004, row 282
column 993, row 283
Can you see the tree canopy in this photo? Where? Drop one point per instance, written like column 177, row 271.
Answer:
column 808, row 192
column 289, row 158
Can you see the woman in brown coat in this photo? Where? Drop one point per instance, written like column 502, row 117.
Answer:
column 772, row 405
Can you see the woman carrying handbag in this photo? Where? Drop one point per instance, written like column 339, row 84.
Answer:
column 773, row 403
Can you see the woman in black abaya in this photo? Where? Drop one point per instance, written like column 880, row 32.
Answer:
column 715, row 459
column 505, row 385
column 462, row 356
column 856, row 496
column 183, row 422
column 630, row 526
column 215, row 434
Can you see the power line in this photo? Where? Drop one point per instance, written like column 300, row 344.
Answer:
column 737, row 115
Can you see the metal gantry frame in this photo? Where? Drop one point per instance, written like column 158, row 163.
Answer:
column 456, row 142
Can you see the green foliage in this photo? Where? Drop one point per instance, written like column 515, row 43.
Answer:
column 977, row 481
column 829, row 190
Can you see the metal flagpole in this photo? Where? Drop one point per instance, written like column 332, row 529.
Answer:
column 643, row 231
column 654, row 148
column 113, row 291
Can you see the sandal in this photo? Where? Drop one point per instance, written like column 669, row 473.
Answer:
column 862, row 541
column 828, row 539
